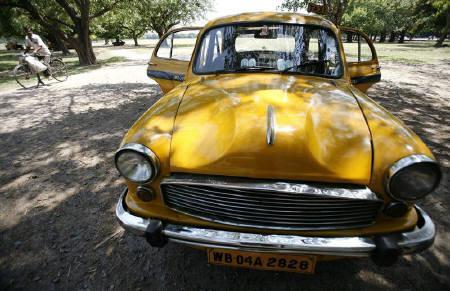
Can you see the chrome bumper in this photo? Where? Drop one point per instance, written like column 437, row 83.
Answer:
column 412, row 241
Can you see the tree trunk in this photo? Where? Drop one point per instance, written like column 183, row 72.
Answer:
column 383, row 36
column 61, row 45
column 349, row 37
column 392, row 37
column 402, row 37
column 160, row 33
column 440, row 41
column 84, row 49
column 135, row 40
column 445, row 32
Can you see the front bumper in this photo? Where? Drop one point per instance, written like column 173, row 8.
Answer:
column 408, row 242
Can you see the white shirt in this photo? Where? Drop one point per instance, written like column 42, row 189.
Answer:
column 35, row 42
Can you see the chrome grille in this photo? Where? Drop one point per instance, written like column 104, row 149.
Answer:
column 269, row 204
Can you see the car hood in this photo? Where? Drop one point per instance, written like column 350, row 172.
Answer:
column 320, row 133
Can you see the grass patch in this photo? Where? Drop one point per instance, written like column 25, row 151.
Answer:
column 75, row 68
column 8, row 60
column 410, row 52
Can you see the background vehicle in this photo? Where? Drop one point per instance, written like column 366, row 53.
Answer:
column 13, row 45
column 26, row 78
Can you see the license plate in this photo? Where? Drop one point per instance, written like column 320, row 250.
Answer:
column 262, row 261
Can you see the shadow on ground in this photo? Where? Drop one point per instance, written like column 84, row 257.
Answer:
column 59, row 188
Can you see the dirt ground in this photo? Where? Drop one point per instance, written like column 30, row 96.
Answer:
column 59, row 188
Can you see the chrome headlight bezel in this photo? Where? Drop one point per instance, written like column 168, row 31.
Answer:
column 405, row 163
column 145, row 152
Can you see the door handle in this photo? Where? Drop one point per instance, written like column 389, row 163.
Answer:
column 152, row 64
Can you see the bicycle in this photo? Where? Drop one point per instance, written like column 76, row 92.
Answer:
column 26, row 78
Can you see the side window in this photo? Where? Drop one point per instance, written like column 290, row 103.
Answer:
column 165, row 47
column 178, row 45
column 211, row 52
column 356, row 47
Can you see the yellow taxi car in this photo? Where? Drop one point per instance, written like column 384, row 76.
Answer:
column 265, row 151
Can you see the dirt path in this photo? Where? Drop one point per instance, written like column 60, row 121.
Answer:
column 58, row 189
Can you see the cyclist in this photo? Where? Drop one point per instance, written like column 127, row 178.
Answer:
column 35, row 42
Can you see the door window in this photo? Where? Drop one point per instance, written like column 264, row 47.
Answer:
column 178, row 45
column 356, row 47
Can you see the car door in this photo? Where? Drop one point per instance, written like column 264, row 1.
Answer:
column 170, row 59
column 361, row 57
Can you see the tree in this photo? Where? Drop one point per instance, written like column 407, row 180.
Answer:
column 335, row 8
column 442, row 12
column 128, row 19
column 12, row 23
column 167, row 13
column 369, row 16
column 67, row 20
column 134, row 18
column 433, row 17
column 382, row 17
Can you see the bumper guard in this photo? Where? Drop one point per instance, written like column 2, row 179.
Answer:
column 416, row 240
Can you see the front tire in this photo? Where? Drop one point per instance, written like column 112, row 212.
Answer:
column 25, row 77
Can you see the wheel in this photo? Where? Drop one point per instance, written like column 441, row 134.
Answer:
column 25, row 77
column 59, row 70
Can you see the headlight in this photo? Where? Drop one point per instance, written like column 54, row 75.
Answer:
column 136, row 163
column 413, row 177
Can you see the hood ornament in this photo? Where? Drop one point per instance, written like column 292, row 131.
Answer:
column 270, row 131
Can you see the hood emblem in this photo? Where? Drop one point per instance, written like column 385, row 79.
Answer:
column 270, row 131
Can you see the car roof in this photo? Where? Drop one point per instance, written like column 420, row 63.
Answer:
column 282, row 17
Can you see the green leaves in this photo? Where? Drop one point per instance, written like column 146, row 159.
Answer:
column 134, row 18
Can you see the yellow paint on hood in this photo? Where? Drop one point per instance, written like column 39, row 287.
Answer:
column 320, row 132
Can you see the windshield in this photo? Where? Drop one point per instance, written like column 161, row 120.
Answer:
column 282, row 48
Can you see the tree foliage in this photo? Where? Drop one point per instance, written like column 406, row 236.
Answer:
column 129, row 19
column 397, row 18
column 335, row 8
column 135, row 17
column 13, row 23
column 433, row 17
column 379, row 17
column 167, row 13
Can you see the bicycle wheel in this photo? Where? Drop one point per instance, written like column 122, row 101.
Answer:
column 25, row 77
column 59, row 70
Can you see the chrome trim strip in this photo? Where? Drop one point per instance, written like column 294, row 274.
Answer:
column 403, row 163
column 317, row 189
column 140, row 148
column 412, row 241
column 422, row 237
column 270, row 134
column 345, row 246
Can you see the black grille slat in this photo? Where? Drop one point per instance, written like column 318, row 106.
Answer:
column 280, row 217
column 269, row 208
column 263, row 219
column 266, row 209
